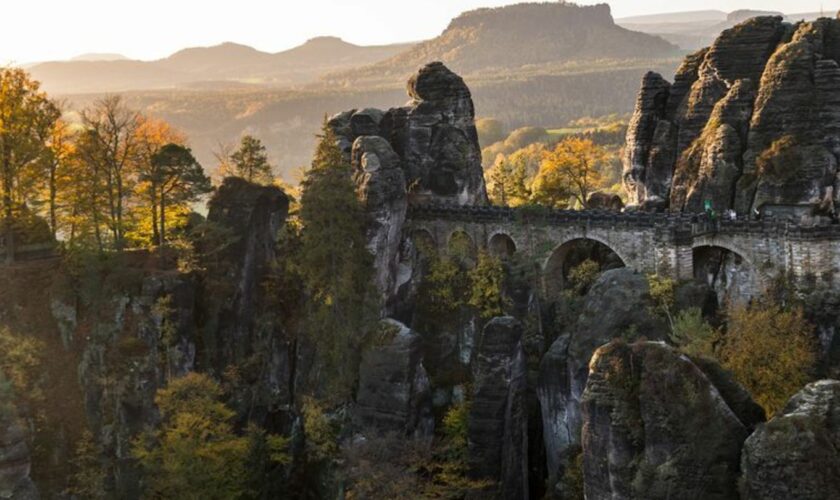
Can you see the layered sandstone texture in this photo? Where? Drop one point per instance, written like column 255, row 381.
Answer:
column 434, row 138
column 751, row 123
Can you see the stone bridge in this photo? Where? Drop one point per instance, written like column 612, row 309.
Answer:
column 748, row 253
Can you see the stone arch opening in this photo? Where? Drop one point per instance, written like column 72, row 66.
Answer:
column 571, row 254
column 501, row 246
column 727, row 272
column 462, row 248
column 424, row 242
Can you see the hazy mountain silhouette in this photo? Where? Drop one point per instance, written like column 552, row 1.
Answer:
column 522, row 35
column 219, row 66
column 696, row 29
column 96, row 56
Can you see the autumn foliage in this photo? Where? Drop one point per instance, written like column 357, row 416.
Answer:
column 770, row 351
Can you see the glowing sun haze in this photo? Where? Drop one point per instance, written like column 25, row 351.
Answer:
column 36, row 30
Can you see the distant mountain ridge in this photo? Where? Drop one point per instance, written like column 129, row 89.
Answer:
column 520, row 35
column 96, row 56
column 221, row 65
column 695, row 29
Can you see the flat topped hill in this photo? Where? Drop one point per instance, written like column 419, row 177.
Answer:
column 526, row 34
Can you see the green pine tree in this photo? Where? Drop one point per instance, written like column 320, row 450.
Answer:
column 335, row 266
column 250, row 161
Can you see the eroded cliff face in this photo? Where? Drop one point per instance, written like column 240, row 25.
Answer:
column 795, row 455
column 381, row 186
column 434, row 137
column 657, row 426
column 749, row 124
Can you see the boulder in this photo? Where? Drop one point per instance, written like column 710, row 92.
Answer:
column 656, row 427
column 604, row 201
column 794, row 455
column 394, row 390
column 498, row 421
column 381, row 186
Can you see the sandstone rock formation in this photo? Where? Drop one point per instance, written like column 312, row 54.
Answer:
column 657, row 427
column 604, row 201
column 15, row 482
column 381, row 186
column 618, row 305
column 251, row 215
column 394, row 389
column 750, row 124
column 794, row 455
column 434, row 137
column 498, row 434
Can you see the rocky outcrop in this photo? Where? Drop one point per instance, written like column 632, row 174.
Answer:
column 249, row 217
column 498, row 421
column 618, row 305
column 751, row 123
column 394, row 390
column 15, row 482
column 434, row 137
column 381, row 187
column 647, row 176
column 604, row 201
column 795, row 454
column 794, row 137
column 657, row 427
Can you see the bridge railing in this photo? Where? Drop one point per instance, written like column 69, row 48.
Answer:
column 695, row 223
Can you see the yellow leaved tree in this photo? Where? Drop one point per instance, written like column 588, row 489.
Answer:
column 569, row 173
column 770, row 351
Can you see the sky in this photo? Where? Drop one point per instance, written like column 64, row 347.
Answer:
column 43, row 30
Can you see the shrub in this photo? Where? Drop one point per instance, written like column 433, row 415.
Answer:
column 487, row 286
column 692, row 334
column 583, row 276
column 195, row 451
column 770, row 351
column 321, row 433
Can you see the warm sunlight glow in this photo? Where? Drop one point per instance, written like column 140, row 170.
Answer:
column 155, row 28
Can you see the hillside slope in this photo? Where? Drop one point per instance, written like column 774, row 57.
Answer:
column 211, row 66
column 520, row 36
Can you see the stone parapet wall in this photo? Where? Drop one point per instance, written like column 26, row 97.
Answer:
column 662, row 243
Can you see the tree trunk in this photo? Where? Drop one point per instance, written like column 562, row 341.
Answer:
column 162, row 219
column 53, row 193
column 155, row 232
column 8, row 228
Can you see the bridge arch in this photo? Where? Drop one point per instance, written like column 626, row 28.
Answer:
column 728, row 270
column 501, row 245
column 424, row 241
column 460, row 245
column 572, row 252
